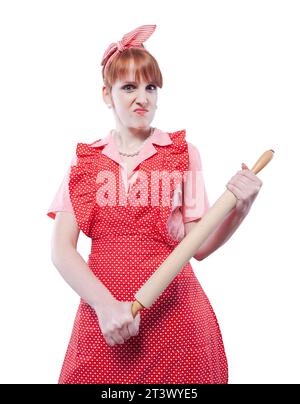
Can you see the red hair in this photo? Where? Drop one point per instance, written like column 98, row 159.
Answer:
column 145, row 66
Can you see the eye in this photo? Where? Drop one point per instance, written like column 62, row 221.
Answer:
column 127, row 85
column 131, row 85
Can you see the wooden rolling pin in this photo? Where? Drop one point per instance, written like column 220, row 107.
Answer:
column 190, row 244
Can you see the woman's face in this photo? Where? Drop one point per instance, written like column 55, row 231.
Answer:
column 126, row 96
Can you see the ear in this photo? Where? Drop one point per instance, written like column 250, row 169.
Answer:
column 106, row 95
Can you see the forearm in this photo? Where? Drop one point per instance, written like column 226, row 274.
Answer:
column 79, row 276
column 221, row 234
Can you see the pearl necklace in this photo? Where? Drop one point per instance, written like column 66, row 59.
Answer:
column 139, row 149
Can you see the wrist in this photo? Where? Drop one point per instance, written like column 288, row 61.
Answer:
column 241, row 211
column 105, row 302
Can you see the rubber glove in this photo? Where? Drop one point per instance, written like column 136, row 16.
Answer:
column 116, row 321
column 245, row 185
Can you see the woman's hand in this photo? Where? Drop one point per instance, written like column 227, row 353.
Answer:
column 116, row 321
column 245, row 185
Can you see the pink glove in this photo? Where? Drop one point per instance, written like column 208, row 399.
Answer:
column 245, row 185
column 116, row 321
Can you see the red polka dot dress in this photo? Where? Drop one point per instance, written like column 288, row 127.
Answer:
column 179, row 339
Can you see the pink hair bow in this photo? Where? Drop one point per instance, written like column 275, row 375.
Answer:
column 134, row 39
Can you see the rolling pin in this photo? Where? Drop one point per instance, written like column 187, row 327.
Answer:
column 189, row 245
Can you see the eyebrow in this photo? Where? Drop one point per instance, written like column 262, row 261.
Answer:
column 133, row 82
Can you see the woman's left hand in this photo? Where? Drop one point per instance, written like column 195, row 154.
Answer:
column 245, row 185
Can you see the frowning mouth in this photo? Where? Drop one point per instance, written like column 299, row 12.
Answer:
column 141, row 111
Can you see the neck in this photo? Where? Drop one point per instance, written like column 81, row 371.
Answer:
column 130, row 139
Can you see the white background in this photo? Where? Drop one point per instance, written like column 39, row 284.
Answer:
column 231, row 79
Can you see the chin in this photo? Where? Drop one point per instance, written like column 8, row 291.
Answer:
column 146, row 126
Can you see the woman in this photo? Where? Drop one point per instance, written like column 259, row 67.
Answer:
column 113, row 192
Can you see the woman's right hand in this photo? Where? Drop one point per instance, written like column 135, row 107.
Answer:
column 116, row 321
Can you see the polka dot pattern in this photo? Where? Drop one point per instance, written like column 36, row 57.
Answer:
column 179, row 339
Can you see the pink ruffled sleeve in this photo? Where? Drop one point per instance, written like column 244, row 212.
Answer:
column 195, row 198
column 61, row 201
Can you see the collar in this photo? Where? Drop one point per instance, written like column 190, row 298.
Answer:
column 110, row 150
column 158, row 137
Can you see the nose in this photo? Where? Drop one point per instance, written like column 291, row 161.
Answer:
column 142, row 98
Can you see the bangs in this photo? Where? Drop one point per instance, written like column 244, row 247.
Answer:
column 137, row 61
